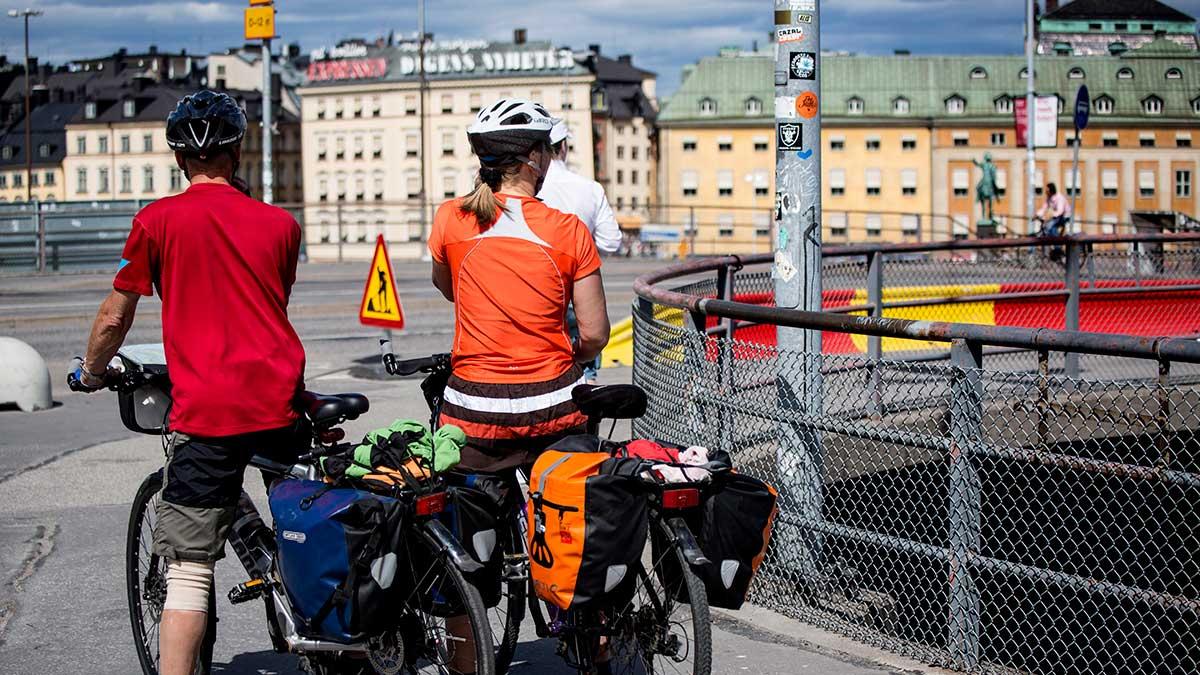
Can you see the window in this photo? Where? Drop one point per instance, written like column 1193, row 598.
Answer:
column 475, row 102
column 148, row 178
column 956, row 105
column 322, row 148
column 620, row 177
column 762, row 183
column 1076, row 73
column 600, row 100
column 128, row 108
column 689, row 145
column 176, row 179
column 568, row 102
column 322, row 187
column 998, row 138
column 961, row 139
column 1072, row 141
column 837, row 224
column 908, row 143
column 1183, row 183
column 874, row 225
column 410, row 105
column 18, row 180
column 1146, row 140
column 1001, row 182
column 1103, row 105
column 340, row 186
column 33, row 180
column 1109, row 183
column 960, row 180
column 338, row 108
column 358, row 147
column 1196, row 106
column 909, row 224
column 978, row 73
column 1039, row 181
column 81, row 145
column 873, row 144
column 959, row 227
column 762, row 225
column 448, row 136
column 725, row 144
column 837, row 182
column 6, row 152
column 1152, row 105
column 1004, row 105
column 376, row 147
column 1024, row 74
column 48, row 179
column 148, row 143
column 320, row 108
column 1125, row 74
column 725, row 183
column 633, row 153
column 80, row 181
column 448, row 185
column 689, row 181
column 1183, row 140
column 103, row 144
column 620, row 152
column 708, row 106
column 908, row 182
column 1071, row 182
column 376, row 106
column 340, row 147
column 377, row 184
column 874, row 182
column 900, row 106
column 89, row 110
column 1146, row 183
column 360, row 186
column 762, row 144
column 837, row 143
column 1110, row 141
column 633, row 177
column 855, row 106
column 447, row 104
column 102, row 179
column 412, row 144
column 753, row 106
column 43, row 150
column 1174, row 74
column 358, row 107
column 412, row 184
column 725, row 225
column 1095, row 26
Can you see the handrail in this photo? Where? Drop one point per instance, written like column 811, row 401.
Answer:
column 1160, row 348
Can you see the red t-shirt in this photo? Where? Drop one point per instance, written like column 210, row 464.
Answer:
column 224, row 265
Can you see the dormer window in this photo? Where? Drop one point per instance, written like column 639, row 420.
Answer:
column 1024, row 74
column 978, row 73
column 1076, row 73
column 1004, row 105
column 1104, row 105
column 1196, row 106
column 753, row 106
column 1152, row 105
column 89, row 110
column 1125, row 74
column 855, row 106
column 1174, row 74
column 44, row 150
column 708, row 106
column 128, row 108
column 900, row 106
column 956, row 105
column 6, row 152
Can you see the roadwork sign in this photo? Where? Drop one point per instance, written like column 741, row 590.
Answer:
column 380, row 303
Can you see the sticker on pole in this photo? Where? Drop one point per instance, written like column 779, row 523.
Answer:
column 380, row 302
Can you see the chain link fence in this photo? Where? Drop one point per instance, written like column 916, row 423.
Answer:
column 985, row 511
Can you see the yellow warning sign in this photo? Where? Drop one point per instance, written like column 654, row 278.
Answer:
column 380, row 303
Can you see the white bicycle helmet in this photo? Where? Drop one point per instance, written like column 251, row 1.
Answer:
column 508, row 130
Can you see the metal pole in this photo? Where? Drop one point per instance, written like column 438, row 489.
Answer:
column 1071, row 315
column 964, row 494
column 1030, row 117
column 28, row 121
column 268, row 178
column 797, row 274
column 874, row 342
column 1077, row 187
column 422, row 85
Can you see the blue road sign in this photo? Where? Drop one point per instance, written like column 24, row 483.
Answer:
column 1083, row 106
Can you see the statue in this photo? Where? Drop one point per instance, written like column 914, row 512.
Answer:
column 985, row 190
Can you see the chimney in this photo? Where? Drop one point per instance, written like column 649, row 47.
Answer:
column 595, row 49
column 519, row 36
column 1051, row 6
column 626, row 59
column 153, row 49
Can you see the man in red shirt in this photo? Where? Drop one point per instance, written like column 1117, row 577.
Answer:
column 223, row 265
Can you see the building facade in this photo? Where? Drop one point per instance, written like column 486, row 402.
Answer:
column 902, row 136
column 625, row 139
column 1097, row 27
column 45, row 183
column 361, row 127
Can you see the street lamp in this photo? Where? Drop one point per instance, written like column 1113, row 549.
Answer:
column 25, row 14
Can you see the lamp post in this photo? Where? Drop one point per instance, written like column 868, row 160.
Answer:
column 25, row 14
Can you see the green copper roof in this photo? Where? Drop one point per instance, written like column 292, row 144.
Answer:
column 929, row 81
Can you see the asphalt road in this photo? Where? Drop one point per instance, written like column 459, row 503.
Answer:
column 67, row 475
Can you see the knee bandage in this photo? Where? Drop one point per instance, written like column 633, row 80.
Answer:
column 188, row 585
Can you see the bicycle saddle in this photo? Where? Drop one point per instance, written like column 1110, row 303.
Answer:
column 326, row 410
column 611, row 401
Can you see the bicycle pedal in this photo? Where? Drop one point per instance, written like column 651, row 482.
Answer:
column 247, row 591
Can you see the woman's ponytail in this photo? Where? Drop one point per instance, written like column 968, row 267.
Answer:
column 482, row 202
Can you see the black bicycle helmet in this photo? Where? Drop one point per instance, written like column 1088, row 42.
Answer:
column 205, row 123
column 508, row 130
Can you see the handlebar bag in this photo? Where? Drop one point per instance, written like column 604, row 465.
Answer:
column 588, row 520
column 339, row 553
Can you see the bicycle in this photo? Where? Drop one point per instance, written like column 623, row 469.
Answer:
column 646, row 630
column 416, row 642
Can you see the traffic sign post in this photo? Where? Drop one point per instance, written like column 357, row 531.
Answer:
column 1083, row 106
column 380, row 303
column 260, row 25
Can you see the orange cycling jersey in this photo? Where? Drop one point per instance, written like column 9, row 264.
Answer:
column 512, row 283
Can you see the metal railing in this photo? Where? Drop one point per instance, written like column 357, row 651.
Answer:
column 987, row 498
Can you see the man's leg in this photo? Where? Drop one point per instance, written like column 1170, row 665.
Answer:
column 202, row 482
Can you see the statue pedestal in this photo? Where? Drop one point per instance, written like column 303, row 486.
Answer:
column 985, row 228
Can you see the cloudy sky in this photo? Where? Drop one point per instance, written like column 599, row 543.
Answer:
column 661, row 34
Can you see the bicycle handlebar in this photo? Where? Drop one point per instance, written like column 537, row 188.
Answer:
column 403, row 368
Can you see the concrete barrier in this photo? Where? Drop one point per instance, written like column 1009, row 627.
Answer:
column 24, row 378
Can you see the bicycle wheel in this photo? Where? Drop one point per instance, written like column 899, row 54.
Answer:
column 665, row 628
column 146, row 582
column 505, row 618
column 431, row 625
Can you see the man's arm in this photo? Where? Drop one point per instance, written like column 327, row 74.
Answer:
column 607, row 233
column 109, row 329
column 591, row 313
column 443, row 280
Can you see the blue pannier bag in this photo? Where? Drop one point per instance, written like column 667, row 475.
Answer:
column 339, row 553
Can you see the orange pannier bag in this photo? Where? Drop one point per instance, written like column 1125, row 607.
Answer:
column 588, row 520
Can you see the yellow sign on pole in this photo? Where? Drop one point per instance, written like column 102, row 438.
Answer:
column 260, row 23
column 255, row 3
column 380, row 302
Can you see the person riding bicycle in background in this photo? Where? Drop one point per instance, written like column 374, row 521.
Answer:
column 223, row 265
column 1055, row 213
column 566, row 191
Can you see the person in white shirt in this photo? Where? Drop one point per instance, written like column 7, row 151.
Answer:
column 566, row 191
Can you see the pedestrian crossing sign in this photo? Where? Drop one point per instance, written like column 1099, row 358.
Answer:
column 380, row 302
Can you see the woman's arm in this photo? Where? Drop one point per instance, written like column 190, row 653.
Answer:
column 591, row 312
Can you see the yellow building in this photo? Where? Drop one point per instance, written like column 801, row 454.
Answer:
column 46, row 183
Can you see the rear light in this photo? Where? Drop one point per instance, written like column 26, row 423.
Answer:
column 685, row 498
column 431, row 504
column 332, row 435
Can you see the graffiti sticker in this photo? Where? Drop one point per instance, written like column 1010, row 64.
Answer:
column 789, row 34
column 802, row 66
column 789, row 137
column 785, row 107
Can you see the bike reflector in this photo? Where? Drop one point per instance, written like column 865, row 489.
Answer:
column 684, row 498
column 431, row 504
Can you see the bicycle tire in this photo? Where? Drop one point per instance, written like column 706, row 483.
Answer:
column 138, row 538
column 513, row 597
